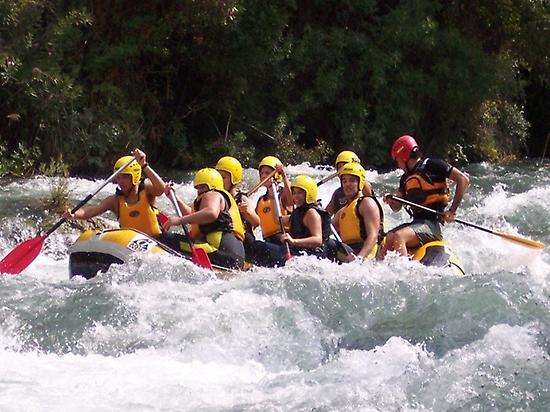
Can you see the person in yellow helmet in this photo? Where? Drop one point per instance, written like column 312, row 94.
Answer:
column 232, row 173
column 309, row 225
column 216, row 224
column 360, row 221
column 338, row 199
column 134, row 201
column 265, row 212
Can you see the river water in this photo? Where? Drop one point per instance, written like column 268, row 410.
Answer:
column 160, row 334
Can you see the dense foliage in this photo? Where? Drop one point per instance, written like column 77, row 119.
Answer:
column 84, row 81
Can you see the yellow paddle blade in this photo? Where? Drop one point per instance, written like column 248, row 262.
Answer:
column 533, row 244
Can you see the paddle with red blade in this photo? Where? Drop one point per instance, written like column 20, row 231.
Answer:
column 24, row 254
column 288, row 255
column 520, row 240
column 198, row 256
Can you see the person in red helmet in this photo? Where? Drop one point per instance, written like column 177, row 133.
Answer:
column 424, row 182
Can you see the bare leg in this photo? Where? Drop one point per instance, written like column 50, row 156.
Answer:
column 404, row 239
column 386, row 245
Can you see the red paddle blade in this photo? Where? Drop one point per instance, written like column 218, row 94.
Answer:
column 162, row 218
column 22, row 256
column 200, row 258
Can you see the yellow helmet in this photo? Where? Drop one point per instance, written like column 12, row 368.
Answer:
column 347, row 156
column 272, row 162
column 133, row 169
column 232, row 166
column 354, row 169
column 209, row 177
column 308, row 185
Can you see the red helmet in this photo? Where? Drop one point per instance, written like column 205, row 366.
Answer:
column 403, row 147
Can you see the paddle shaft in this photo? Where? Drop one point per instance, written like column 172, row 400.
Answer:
column 327, row 178
column 435, row 212
column 280, row 216
column 199, row 256
column 89, row 197
column 343, row 245
column 178, row 211
column 514, row 238
column 263, row 182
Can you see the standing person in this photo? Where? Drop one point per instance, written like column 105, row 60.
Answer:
column 338, row 199
column 360, row 221
column 134, row 201
column 216, row 225
column 268, row 252
column 309, row 225
column 424, row 181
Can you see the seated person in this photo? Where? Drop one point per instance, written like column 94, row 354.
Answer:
column 216, row 224
column 309, row 225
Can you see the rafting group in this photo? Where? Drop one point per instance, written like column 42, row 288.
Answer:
column 291, row 218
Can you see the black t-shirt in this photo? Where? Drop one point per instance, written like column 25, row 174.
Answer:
column 339, row 199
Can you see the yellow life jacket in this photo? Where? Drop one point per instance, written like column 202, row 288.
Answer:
column 237, row 220
column 352, row 228
column 419, row 188
column 229, row 219
column 350, row 223
column 141, row 215
column 266, row 211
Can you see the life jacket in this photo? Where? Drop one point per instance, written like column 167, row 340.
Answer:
column 142, row 215
column 421, row 189
column 298, row 230
column 229, row 219
column 266, row 211
column 351, row 225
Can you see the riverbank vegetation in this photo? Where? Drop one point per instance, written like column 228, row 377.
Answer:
column 189, row 81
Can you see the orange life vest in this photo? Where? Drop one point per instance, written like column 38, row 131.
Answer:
column 269, row 222
column 419, row 188
column 141, row 215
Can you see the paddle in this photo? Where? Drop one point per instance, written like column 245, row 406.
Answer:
column 533, row 244
column 327, row 178
column 25, row 253
column 345, row 247
column 255, row 188
column 198, row 256
column 280, row 217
